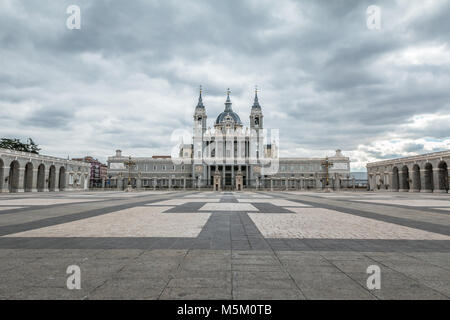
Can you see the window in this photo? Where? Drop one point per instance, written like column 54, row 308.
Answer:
column 173, row 168
column 154, row 168
column 164, row 167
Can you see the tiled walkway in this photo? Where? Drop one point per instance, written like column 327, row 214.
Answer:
column 258, row 245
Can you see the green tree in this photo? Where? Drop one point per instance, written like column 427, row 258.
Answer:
column 32, row 147
column 17, row 145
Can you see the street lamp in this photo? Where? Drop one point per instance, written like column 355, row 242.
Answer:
column 129, row 163
column 327, row 164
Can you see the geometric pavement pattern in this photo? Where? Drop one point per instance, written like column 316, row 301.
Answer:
column 250, row 245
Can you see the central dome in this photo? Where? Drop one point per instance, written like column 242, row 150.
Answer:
column 228, row 115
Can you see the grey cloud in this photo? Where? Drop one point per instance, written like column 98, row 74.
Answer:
column 49, row 118
column 319, row 72
column 413, row 147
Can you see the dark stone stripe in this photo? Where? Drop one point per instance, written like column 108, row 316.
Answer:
column 358, row 245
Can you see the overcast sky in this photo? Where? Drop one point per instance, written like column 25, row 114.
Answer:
column 130, row 75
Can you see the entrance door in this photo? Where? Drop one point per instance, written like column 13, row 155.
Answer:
column 228, row 179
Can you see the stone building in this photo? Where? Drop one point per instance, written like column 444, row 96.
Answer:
column 232, row 152
column 148, row 172
column 421, row 173
column 98, row 172
column 29, row 172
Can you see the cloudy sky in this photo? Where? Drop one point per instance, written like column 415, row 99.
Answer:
column 130, row 75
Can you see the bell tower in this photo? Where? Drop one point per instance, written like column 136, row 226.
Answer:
column 200, row 115
column 199, row 169
column 256, row 116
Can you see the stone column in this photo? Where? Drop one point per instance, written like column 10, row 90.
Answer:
column 232, row 178
column 47, row 178
column 20, row 187
column 388, row 180
column 120, row 183
column 246, row 176
column 170, row 183
column 223, row 177
column 3, row 184
column 34, row 184
column 184, row 183
column 271, row 184
column 286, row 181
column 370, row 181
column 154, row 184
column 138, row 183
column 86, row 182
column 318, row 186
column 353, row 183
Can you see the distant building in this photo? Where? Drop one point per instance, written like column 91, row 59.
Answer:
column 98, row 172
column 229, row 153
column 30, row 172
column 422, row 173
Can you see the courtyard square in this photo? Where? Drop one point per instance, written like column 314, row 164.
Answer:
column 224, row 245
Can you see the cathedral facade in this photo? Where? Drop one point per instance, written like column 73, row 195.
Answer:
column 228, row 156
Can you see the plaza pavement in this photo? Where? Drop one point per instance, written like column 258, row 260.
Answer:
column 227, row 245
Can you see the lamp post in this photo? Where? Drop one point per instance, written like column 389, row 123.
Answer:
column 129, row 163
column 327, row 164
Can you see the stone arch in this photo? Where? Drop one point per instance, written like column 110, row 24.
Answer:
column 428, row 176
column 14, row 176
column 62, row 179
column 395, row 179
column 2, row 174
column 52, row 178
column 28, row 177
column 416, row 178
column 41, row 178
column 443, row 176
column 404, row 179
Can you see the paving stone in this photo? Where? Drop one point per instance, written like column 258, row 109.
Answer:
column 267, row 294
column 130, row 288
column 197, row 294
column 198, row 282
